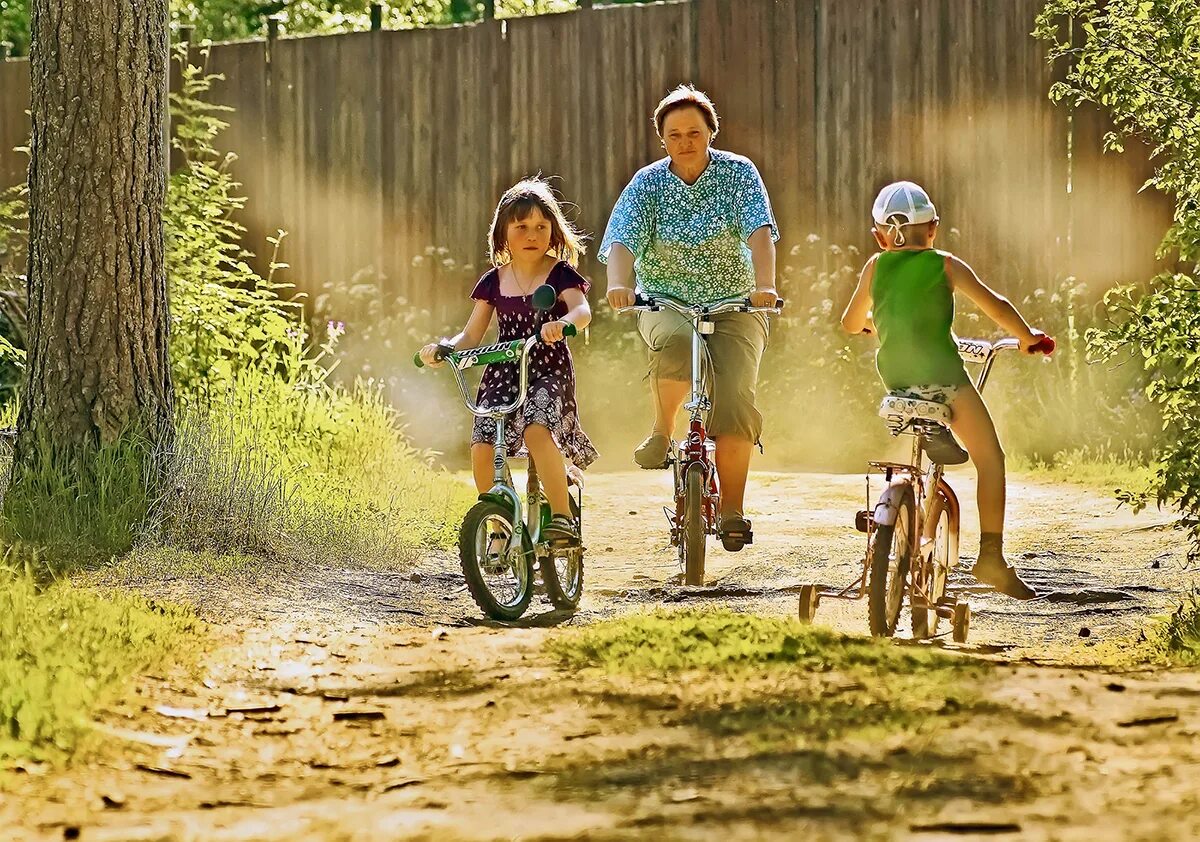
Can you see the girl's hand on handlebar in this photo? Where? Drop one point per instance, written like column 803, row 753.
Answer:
column 429, row 356
column 619, row 297
column 764, row 297
column 553, row 331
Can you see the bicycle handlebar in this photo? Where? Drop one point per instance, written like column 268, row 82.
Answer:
column 646, row 303
column 445, row 351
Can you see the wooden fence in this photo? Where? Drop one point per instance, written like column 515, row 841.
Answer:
column 383, row 153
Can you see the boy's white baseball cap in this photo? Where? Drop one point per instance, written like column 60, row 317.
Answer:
column 905, row 199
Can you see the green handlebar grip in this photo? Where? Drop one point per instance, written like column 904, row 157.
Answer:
column 417, row 360
column 569, row 329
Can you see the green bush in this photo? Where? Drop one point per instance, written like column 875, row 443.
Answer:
column 1139, row 60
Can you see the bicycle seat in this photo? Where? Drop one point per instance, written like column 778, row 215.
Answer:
column 900, row 413
column 928, row 419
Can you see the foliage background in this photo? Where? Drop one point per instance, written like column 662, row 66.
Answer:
column 1139, row 60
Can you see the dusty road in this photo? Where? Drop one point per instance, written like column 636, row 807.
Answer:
column 348, row 704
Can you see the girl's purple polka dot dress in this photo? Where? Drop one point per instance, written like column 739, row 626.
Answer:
column 551, row 399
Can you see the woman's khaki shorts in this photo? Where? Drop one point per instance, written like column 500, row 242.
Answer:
column 735, row 349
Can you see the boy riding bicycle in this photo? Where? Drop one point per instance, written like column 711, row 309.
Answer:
column 905, row 295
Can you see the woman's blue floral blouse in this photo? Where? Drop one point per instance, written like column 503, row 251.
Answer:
column 689, row 241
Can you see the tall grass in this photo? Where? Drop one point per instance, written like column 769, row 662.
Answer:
column 65, row 650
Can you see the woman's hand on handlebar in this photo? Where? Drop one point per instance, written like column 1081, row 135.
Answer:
column 619, row 297
column 765, row 297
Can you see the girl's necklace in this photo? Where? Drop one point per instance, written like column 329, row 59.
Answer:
column 525, row 291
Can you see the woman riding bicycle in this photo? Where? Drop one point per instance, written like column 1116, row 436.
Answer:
column 697, row 226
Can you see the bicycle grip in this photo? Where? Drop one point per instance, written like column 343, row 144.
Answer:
column 569, row 329
column 1045, row 345
column 417, row 361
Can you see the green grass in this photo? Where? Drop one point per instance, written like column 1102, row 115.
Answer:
column 65, row 650
column 721, row 640
column 1100, row 469
column 1177, row 636
column 322, row 474
column 773, row 680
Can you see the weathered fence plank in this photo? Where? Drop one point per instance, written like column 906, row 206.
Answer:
column 384, row 153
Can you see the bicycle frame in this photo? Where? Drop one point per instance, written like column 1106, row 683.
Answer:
column 503, row 490
column 926, row 485
column 696, row 448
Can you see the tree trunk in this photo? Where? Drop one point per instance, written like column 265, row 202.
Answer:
column 98, row 370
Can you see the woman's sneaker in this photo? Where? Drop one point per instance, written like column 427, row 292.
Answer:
column 561, row 530
column 651, row 454
column 735, row 533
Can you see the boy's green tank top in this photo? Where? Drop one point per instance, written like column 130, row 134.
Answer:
column 913, row 310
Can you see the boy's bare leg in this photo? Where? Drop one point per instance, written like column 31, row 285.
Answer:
column 973, row 424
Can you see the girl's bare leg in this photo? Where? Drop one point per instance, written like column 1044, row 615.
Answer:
column 481, row 466
column 551, row 467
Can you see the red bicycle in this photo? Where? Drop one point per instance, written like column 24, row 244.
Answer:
column 697, row 498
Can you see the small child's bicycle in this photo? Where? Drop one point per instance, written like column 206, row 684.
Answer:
column 697, row 511
column 499, row 546
column 912, row 533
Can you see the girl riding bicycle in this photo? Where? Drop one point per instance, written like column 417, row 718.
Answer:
column 905, row 295
column 530, row 243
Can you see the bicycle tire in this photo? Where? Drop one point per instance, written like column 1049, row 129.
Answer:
column 695, row 536
column 885, row 596
column 566, row 596
column 469, row 546
column 925, row 620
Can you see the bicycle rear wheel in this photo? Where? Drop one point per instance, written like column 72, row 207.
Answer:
column 925, row 619
column 498, row 569
column 890, row 554
column 694, row 536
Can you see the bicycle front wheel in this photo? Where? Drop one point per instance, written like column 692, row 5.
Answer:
column 498, row 568
column 695, row 536
column 890, row 553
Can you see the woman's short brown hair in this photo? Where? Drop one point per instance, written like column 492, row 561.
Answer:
column 686, row 96
column 517, row 203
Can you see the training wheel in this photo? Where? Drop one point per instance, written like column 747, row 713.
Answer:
column 810, row 598
column 960, row 623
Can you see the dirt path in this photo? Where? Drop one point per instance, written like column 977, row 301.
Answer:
column 345, row 704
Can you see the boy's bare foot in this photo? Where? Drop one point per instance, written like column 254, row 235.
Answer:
column 992, row 569
column 652, row 453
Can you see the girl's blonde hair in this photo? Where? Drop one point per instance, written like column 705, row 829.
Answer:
column 517, row 203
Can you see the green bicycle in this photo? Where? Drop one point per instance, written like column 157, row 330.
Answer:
column 501, row 541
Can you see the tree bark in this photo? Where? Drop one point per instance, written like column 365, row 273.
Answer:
column 98, row 323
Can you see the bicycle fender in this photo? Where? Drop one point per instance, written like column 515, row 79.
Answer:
column 889, row 502
column 496, row 497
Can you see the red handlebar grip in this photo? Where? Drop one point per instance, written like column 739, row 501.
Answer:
column 1045, row 345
